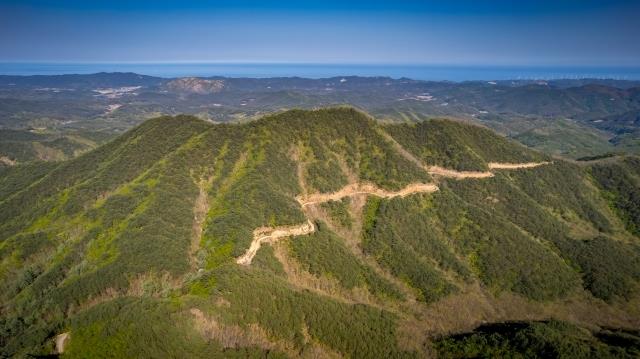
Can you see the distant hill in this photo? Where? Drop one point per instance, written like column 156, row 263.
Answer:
column 102, row 79
column 566, row 138
column 319, row 233
column 115, row 102
column 21, row 146
column 195, row 85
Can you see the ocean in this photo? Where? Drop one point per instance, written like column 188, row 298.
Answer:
column 261, row 70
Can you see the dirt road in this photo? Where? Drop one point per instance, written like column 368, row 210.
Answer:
column 445, row 172
column 513, row 166
column 61, row 341
column 365, row 188
column 270, row 235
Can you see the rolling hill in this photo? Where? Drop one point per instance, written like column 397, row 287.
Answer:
column 602, row 113
column 318, row 233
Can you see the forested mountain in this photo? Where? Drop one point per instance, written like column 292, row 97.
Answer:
column 319, row 233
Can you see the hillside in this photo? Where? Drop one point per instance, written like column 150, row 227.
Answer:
column 22, row 146
column 566, row 138
column 316, row 234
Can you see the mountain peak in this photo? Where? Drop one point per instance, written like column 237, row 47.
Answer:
column 195, row 85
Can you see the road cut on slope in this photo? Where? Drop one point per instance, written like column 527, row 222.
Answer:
column 445, row 172
column 61, row 341
column 365, row 188
column 270, row 235
column 514, row 166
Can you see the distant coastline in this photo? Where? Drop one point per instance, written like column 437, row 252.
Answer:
column 263, row 70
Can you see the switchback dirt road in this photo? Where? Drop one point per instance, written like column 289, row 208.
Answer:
column 365, row 188
column 270, row 235
column 514, row 166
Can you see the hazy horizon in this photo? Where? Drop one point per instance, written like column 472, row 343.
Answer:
column 310, row 70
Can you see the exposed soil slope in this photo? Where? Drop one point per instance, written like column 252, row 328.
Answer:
column 61, row 341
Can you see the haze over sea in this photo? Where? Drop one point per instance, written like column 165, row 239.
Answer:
column 307, row 70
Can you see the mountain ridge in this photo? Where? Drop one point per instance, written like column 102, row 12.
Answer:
column 157, row 218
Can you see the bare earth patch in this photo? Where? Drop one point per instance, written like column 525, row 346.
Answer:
column 512, row 166
column 7, row 161
column 271, row 235
column 368, row 189
column 61, row 341
column 445, row 172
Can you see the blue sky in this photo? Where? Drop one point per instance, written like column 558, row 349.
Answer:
column 457, row 32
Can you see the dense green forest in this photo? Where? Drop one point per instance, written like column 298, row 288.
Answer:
column 136, row 242
column 549, row 339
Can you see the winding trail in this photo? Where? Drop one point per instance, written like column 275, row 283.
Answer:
column 449, row 173
column 365, row 188
column 514, row 166
column 271, row 235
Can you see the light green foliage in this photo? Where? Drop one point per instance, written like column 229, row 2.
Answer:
column 564, row 188
column 534, row 202
column 251, row 191
column 323, row 172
